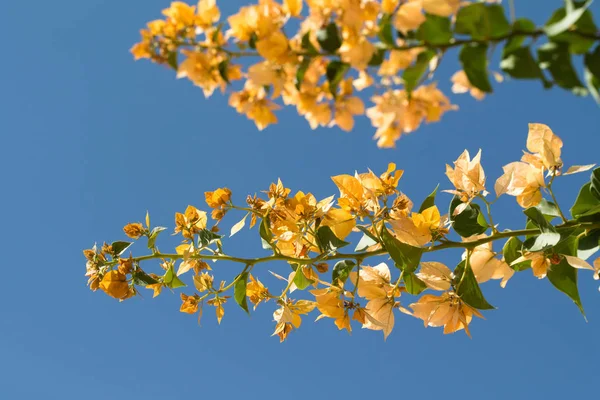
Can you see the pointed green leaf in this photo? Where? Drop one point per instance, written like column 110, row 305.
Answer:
column 413, row 284
column 405, row 256
column 520, row 25
column 595, row 183
column 572, row 14
column 300, row 280
column 154, row 235
column 520, row 64
column 435, row 30
column 589, row 244
column 172, row 60
column 429, row 200
column 473, row 58
column 327, row 240
column 564, row 278
column 469, row 222
column 413, row 74
column 335, row 73
column 586, row 203
column 329, row 38
column 239, row 291
column 223, row 68
column 513, row 249
column 341, row 271
column 556, row 59
column 302, row 71
column 386, row 34
column 170, row 279
column 265, row 233
column 119, row 247
column 207, row 237
column 142, row 279
column 468, row 288
column 307, row 44
column 548, row 236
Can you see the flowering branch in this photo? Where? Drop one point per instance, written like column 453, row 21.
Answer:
column 308, row 234
column 340, row 47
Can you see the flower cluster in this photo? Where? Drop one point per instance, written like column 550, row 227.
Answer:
column 316, row 55
column 307, row 234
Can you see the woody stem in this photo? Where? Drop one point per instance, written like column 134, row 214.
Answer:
column 363, row 255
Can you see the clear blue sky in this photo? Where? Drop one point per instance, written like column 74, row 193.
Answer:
column 91, row 140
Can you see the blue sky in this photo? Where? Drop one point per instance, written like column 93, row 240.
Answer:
column 91, row 140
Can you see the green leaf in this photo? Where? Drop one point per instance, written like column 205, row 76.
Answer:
column 511, row 251
column 341, row 271
column 520, row 25
column 564, row 278
column 482, row 22
column 252, row 40
column 413, row 284
column 170, row 279
column 468, row 288
column 405, row 256
column 429, row 200
column 548, row 209
column 265, row 234
column 364, row 243
column 592, row 83
column 300, row 280
column 592, row 62
column 119, row 247
column 172, row 60
column 239, row 291
column 578, row 44
column 572, row 14
column 367, row 232
column 327, row 240
column 386, row 34
column 329, row 38
column 302, row 71
column 377, row 58
column 469, row 222
column 595, row 183
column 567, row 246
column 499, row 25
column 520, row 64
column 473, row 58
column 307, row 44
column 154, row 235
column 548, row 236
column 335, row 73
column 435, row 30
column 412, row 75
column 223, row 67
column 589, row 244
column 207, row 237
column 142, row 279
column 586, row 203
column 471, row 20
column 556, row 59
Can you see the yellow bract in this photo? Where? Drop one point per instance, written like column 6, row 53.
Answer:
column 218, row 198
column 310, row 69
column 134, row 230
column 447, row 310
column 288, row 317
column 189, row 305
column 467, row 176
column 115, row 285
